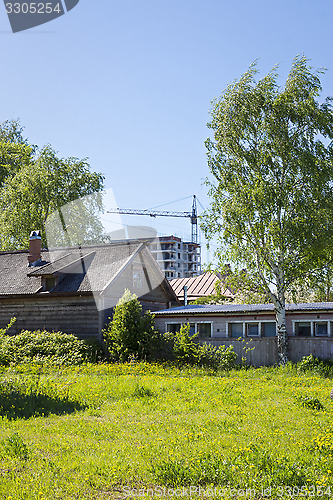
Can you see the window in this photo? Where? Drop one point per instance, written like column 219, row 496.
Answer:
column 303, row 329
column 321, row 328
column 268, row 329
column 173, row 327
column 252, row 329
column 235, row 330
column 137, row 280
column 50, row 283
column 204, row 329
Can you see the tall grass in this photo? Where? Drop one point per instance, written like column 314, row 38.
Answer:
column 95, row 431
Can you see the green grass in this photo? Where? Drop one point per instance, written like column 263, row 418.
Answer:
column 107, row 431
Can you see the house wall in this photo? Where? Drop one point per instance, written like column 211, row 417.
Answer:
column 76, row 315
column 261, row 351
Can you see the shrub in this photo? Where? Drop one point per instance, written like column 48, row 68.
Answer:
column 46, row 347
column 187, row 351
column 311, row 403
column 323, row 367
column 131, row 334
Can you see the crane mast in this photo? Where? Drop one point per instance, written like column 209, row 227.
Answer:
column 193, row 216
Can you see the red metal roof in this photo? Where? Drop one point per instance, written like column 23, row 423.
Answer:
column 198, row 286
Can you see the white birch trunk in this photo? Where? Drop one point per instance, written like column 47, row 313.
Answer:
column 282, row 337
column 280, row 313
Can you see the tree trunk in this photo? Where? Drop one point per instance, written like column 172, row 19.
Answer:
column 280, row 313
column 282, row 337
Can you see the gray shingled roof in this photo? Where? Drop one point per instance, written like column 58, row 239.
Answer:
column 103, row 261
column 242, row 308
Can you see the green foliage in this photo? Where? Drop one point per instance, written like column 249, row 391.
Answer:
column 12, row 131
column 205, row 470
column 34, row 183
column 271, row 158
column 323, row 367
column 187, row 351
column 23, row 397
column 46, row 348
column 14, row 446
column 311, row 402
column 131, row 334
column 141, row 391
column 235, row 430
column 4, row 331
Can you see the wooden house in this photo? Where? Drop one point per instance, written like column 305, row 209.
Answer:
column 74, row 290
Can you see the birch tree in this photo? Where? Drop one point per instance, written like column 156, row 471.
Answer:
column 270, row 156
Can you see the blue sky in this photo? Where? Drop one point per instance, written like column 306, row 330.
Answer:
column 129, row 84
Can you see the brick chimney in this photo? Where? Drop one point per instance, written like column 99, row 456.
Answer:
column 35, row 248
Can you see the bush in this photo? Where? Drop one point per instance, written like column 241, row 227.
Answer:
column 132, row 334
column 46, row 347
column 187, row 351
column 323, row 367
column 311, row 402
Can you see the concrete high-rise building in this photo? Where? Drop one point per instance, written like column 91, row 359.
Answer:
column 177, row 258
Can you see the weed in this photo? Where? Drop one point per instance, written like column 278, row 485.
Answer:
column 15, row 447
column 141, row 392
column 310, row 402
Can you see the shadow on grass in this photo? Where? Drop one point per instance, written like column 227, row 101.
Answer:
column 15, row 405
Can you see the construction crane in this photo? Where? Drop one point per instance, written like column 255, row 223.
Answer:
column 193, row 215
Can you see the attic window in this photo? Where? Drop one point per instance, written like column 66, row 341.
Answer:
column 49, row 283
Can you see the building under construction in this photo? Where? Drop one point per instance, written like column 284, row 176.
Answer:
column 177, row 258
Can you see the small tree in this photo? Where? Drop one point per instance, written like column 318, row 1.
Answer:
column 130, row 333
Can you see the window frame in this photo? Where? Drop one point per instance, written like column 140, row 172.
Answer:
column 245, row 330
column 196, row 323
column 313, row 327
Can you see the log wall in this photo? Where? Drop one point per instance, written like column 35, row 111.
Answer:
column 75, row 315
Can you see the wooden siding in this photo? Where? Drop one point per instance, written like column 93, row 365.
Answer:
column 319, row 347
column 265, row 348
column 257, row 352
column 76, row 315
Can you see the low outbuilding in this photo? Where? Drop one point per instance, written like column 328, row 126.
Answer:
column 251, row 329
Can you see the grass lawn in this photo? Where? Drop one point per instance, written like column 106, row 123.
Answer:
column 111, row 431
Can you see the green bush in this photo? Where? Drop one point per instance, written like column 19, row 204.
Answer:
column 46, row 347
column 311, row 402
column 187, row 351
column 132, row 334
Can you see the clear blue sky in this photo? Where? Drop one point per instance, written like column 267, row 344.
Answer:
column 128, row 84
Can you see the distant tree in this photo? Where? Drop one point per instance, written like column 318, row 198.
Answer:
column 34, row 183
column 271, row 158
column 317, row 287
column 12, row 131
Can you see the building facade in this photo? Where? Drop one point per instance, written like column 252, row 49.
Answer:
column 74, row 290
column 251, row 329
column 177, row 258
